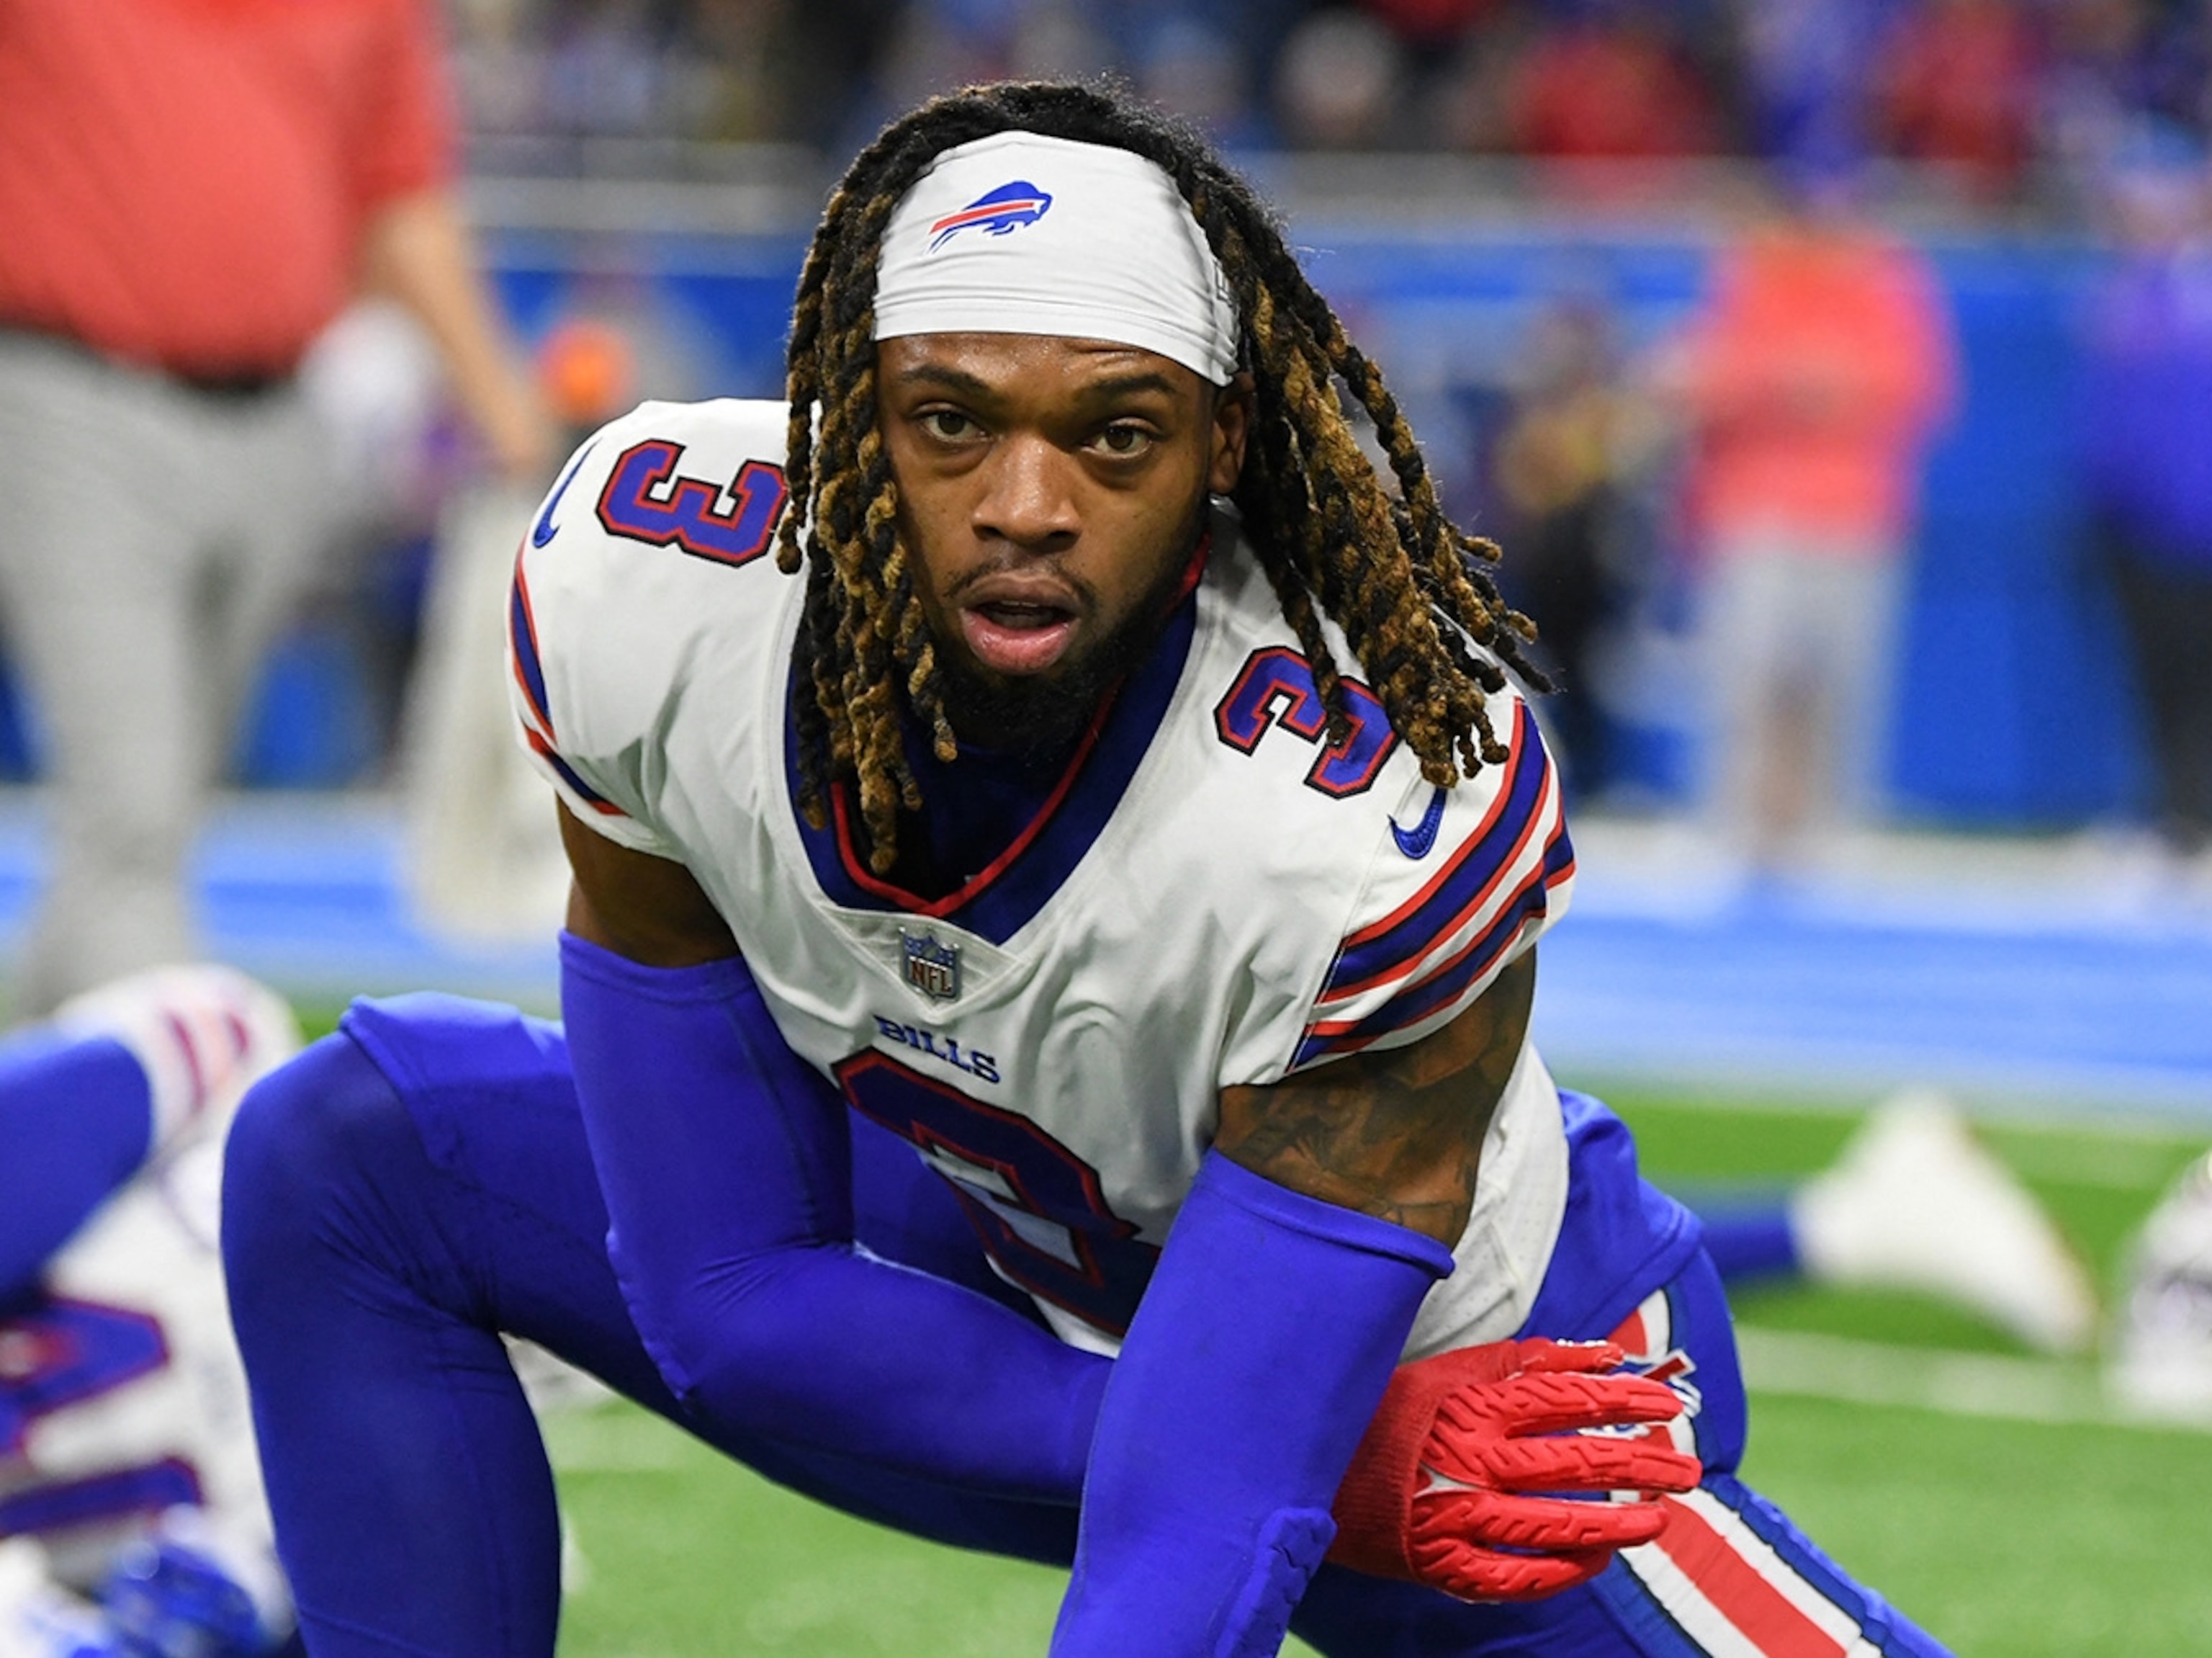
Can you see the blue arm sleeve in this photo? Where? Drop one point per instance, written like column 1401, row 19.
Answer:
column 725, row 1162
column 76, row 1121
column 1253, row 1364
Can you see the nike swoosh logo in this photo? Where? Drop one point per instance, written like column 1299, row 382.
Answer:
column 545, row 529
column 1414, row 843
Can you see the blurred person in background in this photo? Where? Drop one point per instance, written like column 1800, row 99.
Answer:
column 1574, row 430
column 132, row 1523
column 1956, row 83
column 2111, row 67
column 1818, row 369
column 1615, row 81
column 2146, row 466
column 133, row 1519
column 1340, row 83
column 1914, row 1201
column 192, row 190
column 2161, row 1359
column 1805, row 68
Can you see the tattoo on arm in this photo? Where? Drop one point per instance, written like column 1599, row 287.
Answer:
column 1396, row 1134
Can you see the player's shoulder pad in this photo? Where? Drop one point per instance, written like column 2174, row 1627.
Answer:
column 1461, row 880
column 704, row 480
column 649, row 560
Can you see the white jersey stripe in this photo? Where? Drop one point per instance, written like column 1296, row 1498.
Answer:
column 1678, row 1594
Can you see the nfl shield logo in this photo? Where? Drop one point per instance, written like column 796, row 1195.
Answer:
column 932, row 967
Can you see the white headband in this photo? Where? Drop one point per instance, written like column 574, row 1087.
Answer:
column 1020, row 234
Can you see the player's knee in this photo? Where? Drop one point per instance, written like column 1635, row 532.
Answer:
column 302, row 1150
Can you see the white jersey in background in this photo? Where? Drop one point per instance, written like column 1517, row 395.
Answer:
column 1211, row 897
column 121, row 1393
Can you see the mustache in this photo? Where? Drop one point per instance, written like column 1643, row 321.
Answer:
column 1076, row 590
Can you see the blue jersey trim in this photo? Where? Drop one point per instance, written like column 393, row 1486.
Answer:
column 1424, row 997
column 529, row 666
column 106, row 1497
column 1377, row 953
column 590, row 796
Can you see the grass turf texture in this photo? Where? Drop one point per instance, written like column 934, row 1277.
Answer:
column 2001, row 1538
column 2021, row 1538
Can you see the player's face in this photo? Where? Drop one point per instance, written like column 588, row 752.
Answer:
column 1052, row 492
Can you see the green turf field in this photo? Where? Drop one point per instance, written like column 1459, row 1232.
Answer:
column 2003, row 1535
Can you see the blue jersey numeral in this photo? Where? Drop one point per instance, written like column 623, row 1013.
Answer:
column 1036, row 1206
column 641, row 503
column 1277, row 688
column 59, row 1353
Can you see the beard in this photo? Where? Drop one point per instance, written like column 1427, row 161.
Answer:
column 1044, row 714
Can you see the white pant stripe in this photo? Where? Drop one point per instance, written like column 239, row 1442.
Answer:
column 1706, row 1620
column 1831, row 1620
column 1685, row 1603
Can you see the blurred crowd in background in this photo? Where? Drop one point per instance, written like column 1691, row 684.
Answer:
column 2008, row 96
column 1837, row 373
column 1732, row 485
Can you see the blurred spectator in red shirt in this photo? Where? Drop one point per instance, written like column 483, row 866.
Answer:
column 1611, row 86
column 191, row 191
column 1432, row 22
column 1819, row 369
column 1956, row 82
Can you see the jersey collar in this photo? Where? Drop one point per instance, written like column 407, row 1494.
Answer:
column 1043, row 851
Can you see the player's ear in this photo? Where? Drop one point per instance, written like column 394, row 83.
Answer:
column 1232, row 424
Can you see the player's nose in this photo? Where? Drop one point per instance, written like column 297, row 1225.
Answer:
column 1029, row 496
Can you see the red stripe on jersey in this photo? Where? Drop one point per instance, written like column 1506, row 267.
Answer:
column 1546, row 806
column 1738, row 1590
column 867, row 881
column 1376, row 930
column 179, row 1029
column 1427, row 969
column 589, row 796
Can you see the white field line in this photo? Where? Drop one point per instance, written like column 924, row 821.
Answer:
column 1935, row 1378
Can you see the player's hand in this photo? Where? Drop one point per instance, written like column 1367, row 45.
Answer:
column 1457, row 1484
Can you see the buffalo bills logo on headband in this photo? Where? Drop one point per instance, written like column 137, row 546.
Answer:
column 1009, row 207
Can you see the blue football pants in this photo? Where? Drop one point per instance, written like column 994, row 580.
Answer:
column 385, row 1222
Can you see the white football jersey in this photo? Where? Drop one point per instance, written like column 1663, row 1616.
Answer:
column 1212, row 895
column 121, row 1392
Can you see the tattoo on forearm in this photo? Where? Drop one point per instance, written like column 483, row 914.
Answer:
column 1397, row 1134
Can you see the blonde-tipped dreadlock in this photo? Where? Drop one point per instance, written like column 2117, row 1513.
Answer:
column 1407, row 586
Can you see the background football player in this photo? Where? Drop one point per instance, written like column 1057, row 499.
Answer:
column 131, row 1519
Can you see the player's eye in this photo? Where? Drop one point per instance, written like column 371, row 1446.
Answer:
column 1122, row 439
column 948, row 424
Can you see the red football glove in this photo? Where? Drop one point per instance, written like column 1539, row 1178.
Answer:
column 1437, row 1491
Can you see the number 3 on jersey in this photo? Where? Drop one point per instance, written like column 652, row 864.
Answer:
column 1036, row 1205
column 646, row 499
